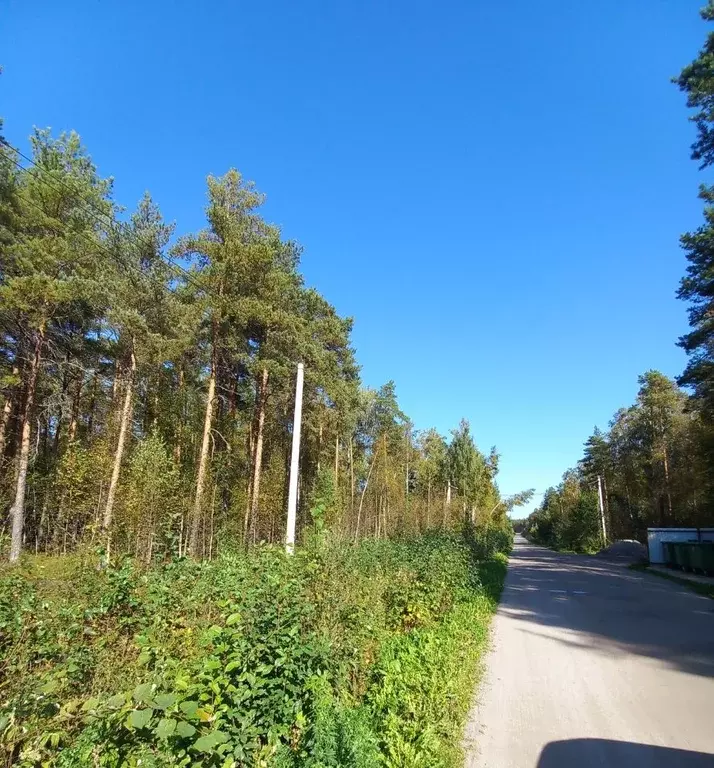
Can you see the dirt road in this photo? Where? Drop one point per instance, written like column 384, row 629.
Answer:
column 593, row 664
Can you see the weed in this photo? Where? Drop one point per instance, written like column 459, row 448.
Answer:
column 341, row 655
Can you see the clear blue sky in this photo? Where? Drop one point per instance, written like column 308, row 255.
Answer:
column 493, row 190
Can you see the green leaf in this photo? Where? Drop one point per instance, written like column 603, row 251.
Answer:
column 166, row 727
column 50, row 687
column 210, row 741
column 165, row 700
column 185, row 729
column 89, row 704
column 189, row 708
column 142, row 693
column 139, row 718
column 234, row 618
column 116, row 701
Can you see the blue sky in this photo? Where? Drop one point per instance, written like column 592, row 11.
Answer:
column 494, row 191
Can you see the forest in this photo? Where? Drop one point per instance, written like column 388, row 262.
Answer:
column 148, row 382
column 656, row 459
column 653, row 469
column 149, row 613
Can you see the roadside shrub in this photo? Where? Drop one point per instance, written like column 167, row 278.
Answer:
column 341, row 655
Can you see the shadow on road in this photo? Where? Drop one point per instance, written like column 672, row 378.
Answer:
column 587, row 600
column 603, row 753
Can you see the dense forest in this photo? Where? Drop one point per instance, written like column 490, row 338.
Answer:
column 656, row 459
column 148, row 381
column 149, row 613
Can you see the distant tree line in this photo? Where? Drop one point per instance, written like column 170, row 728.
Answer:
column 657, row 457
column 653, row 470
column 147, row 382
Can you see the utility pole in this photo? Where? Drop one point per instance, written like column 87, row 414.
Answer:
column 294, row 463
column 406, row 477
column 601, row 507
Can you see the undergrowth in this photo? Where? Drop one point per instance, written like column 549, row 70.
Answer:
column 350, row 656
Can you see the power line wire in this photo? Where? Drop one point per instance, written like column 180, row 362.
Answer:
column 105, row 217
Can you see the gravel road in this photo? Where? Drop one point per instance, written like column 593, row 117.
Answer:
column 593, row 664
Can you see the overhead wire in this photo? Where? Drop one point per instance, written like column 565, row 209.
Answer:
column 100, row 217
column 112, row 225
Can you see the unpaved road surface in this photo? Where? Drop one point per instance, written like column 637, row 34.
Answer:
column 593, row 664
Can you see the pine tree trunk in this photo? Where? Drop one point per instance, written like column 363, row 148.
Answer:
column 319, row 446
column 666, row 482
column 124, row 421
column 385, row 470
column 92, row 407
column 258, row 459
column 447, row 504
column 61, row 411
column 179, row 429
column 203, row 463
column 5, row 416
column 17, row 513
column 352, row 480
column 249, row 490
column 428, row 503
column 4, row 419
column 361, row 498
column 608, row 516
column 337, row 462
column 115, row 382
column 74, row 417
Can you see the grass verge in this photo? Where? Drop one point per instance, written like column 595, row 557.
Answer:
column 695, row 586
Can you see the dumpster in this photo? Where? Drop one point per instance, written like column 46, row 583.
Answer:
column 708, row 556
column 696, row 557
column 668, row 551
column 681, row 555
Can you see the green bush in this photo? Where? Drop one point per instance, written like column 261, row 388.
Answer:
column 338, row 656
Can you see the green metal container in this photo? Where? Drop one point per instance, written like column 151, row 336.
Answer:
column 681, row 555
column 696, row 557
column 669, row 559
column 708, row 556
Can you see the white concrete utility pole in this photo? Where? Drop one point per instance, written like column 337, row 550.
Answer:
column 601, row 507
column 294, row 462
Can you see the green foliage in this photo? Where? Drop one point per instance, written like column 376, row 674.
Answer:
column 151, row 514
column 324, row 503
column 486, row 543
column 568, row 518
column 146, row 405
column 338, row 656
column 652, row 468
column 697, row 81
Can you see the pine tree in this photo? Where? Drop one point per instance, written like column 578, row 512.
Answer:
column 139, row 319
column 52, row 273
column 697, row 287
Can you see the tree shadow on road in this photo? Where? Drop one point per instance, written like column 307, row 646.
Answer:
column 587, row 599
column 603, row 753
